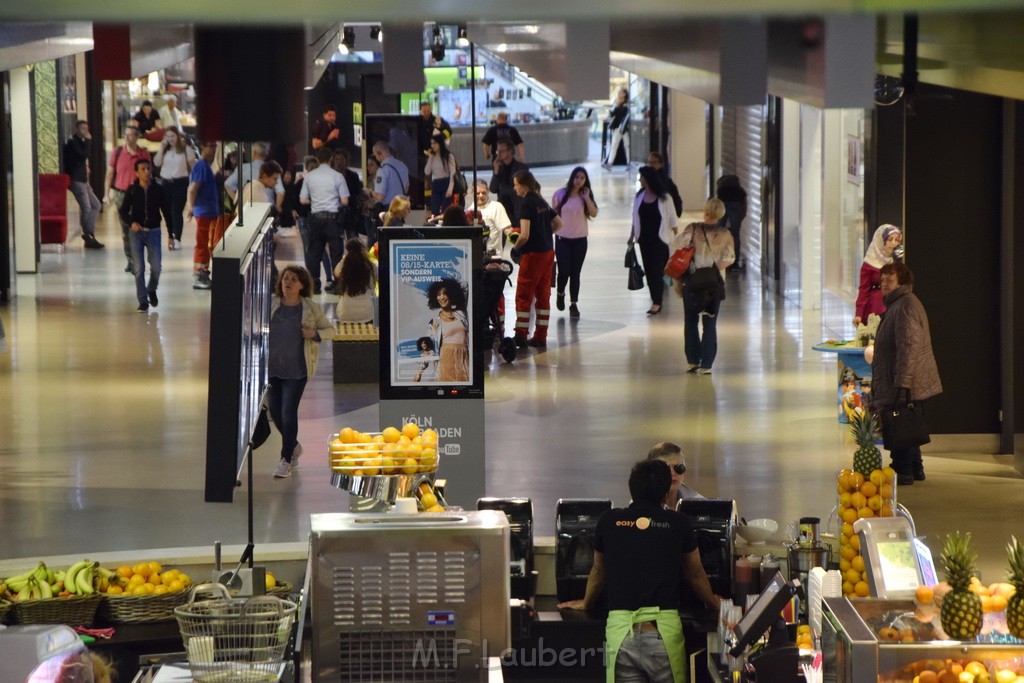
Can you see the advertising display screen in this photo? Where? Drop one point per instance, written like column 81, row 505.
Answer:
column 429, row 312
column 457, row 106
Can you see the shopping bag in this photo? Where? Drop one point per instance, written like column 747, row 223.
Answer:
column 903, row 425
column 679, row 263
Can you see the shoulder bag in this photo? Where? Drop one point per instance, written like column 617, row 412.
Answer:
column 705, row 284
column 903, row 424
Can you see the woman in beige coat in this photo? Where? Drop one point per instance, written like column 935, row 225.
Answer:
column 713, row 247
column 297, row 326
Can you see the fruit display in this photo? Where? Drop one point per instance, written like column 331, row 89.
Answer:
column 144, row 578
column 960, row 611
column 867, row 490
column 392, row 451
column 1015, row 602
column 42, row 582
column 428, row 499
column 804, row 639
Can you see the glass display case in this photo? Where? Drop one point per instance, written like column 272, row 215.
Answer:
column 886, row 641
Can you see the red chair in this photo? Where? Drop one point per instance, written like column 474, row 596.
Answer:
column 53, row 208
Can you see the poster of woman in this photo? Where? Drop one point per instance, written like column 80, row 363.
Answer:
column 430, row 312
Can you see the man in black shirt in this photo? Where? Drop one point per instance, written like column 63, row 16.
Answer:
column 638, row 552
column 76, row 164
column 502, row 131
column 505, row 167
column 326, row 132
column 143, row 203
column 431, row 125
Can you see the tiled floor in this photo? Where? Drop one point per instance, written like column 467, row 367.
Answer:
column 102, row 423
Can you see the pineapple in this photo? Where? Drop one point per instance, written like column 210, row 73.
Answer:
column 868, row 458
column 961, row 609
column 1015, row 605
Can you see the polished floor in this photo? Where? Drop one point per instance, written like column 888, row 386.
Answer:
column 103, row 417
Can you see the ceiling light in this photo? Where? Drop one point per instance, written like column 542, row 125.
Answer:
column 376, row 34
column 348, row 40
column 463, row 40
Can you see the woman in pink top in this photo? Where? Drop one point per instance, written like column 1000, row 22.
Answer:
column 575, row 205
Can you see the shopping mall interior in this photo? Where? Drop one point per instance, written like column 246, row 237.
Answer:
column 104, row 429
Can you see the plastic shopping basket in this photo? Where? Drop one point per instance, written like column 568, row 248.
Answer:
column 234, row 639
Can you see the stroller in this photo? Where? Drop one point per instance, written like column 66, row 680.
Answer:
column 497, row 272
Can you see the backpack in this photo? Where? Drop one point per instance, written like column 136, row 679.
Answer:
column 461, row 187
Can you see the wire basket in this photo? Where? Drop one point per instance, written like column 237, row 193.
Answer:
column 234, row 639
column 368, row 457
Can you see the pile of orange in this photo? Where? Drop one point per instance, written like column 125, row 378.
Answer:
column 861, row 497
column 393, row 451
column 145, row 578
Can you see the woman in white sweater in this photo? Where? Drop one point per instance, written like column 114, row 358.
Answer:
column 356, row 278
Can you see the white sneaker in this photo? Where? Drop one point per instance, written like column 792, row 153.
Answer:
column 295, row 454
column 283, row 469
column 700, row 371
column 177, row 244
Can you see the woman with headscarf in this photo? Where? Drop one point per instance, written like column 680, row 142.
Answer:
column 880, row 252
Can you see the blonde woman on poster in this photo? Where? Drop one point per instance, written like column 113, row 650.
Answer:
column 450, row 329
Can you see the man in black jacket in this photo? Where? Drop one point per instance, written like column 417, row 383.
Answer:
column 143, row 203
column 76, row 164
column 505, row 167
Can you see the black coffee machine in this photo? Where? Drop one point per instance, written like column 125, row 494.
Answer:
column 520, row 520
column 714, row 521
column 575, row 524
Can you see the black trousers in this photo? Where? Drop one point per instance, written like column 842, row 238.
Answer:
column 655, row 257
column 324, row 232
column 570, row 254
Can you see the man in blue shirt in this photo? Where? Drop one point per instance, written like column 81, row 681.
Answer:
column 392, row 178
column 326, row 193
column 204, row 204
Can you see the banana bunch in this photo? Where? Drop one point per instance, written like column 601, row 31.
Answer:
column 35, row 584
column 80, row 579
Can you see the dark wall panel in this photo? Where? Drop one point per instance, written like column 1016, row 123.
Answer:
column 1018, row 266
column 953, row 151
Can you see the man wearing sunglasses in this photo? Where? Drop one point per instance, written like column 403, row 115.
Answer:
column 672, row 455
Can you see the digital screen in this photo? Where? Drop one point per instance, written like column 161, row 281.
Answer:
column 430, row 317
column 456, row 106
column 897, row 563
column 924, row 560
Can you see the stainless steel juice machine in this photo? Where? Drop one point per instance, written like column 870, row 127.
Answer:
column 408, row 597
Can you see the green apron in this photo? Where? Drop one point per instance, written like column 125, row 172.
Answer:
column 619, row 627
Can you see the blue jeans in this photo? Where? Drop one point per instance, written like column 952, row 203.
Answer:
column 438, row 202
column 643, row 658
column 700, row 347
column 148, row 241
column 570, row 254
column 283, row 400
column 88, row 207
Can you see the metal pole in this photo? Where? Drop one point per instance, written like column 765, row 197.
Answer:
column 241, row 181
column 471, row 190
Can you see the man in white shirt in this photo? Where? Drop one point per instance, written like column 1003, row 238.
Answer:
column 326, row 193
column 494, row 217
column 261, row 190
column 170, row 115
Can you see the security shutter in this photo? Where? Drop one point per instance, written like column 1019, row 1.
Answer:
column 743, row 156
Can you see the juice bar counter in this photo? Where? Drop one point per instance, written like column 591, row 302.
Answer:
column 856, row 649
column 547, row 143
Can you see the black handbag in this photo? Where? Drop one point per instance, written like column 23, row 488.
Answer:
column 636, row 273
column 903, row 424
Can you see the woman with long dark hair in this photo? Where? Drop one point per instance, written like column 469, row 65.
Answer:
column 654, row 225
column 175, row 160
column 537, row 225
column 450, row 329
column 356, row 278
column 297, row 326
column 575, row 205
column 441, row 168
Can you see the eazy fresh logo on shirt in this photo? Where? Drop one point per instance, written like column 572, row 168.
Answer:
column 643, row 523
